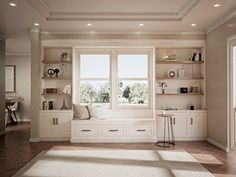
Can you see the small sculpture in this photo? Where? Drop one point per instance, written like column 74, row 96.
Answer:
column 64, row 107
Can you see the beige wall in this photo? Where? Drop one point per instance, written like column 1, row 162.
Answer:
column 23, row 87
column 2, row 86
column 216, row 80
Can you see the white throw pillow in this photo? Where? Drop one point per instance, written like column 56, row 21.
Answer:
column 99, row 112
column 81, row 112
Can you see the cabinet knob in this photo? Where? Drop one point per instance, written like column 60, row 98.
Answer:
column 53, row 121
column 141, row 130
column 56, row 121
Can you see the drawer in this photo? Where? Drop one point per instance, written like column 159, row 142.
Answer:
column 141, row 130
column 86, row 131
column 113, row 130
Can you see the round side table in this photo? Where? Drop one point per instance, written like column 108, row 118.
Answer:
column 168, row 124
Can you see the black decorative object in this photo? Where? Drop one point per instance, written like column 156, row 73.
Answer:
column 191, row 107
column 64, row 56
column 50, row 105
column 183, row 90
column 51, row 72
column 171, row 74
column 200, row 57
column 56, row 72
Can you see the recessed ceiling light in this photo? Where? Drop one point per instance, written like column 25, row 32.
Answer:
column 193, row 24
column 141, row 24
column 12, row 4
column 36, row 24
column 89, row 24
column 216, row 5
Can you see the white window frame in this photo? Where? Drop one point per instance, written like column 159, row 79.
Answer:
column 135, row 51
column 95, row 51
column 113, row 75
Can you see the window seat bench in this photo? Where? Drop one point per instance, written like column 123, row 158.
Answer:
column 113, row 130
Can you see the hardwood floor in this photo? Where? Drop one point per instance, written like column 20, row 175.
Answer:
column 16, row 151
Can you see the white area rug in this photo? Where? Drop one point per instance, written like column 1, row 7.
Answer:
column 113, row 163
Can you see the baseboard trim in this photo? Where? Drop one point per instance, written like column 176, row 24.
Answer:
column 224, row 148
column 34, row 140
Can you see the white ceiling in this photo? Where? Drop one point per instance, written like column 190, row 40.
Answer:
column 112, row 16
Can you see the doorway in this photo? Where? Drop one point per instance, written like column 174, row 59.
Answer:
column 231, row 93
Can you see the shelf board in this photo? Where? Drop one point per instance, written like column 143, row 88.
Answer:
column 178, row 78
column 185, row 94
column 55, row 62
column 57, row 78
column 55, row 94
column 179, row 62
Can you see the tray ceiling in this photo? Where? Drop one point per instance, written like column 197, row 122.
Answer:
column 113, row 16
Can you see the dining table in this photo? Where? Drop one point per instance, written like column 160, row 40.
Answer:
column 10, row 101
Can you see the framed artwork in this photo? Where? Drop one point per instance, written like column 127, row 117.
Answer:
column 10, row 78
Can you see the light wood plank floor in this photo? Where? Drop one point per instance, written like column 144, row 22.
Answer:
column 16, row 151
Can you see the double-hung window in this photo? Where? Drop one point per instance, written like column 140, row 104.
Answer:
column 94, row 78
column 133, row 79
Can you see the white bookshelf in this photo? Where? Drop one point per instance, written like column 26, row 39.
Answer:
column 194, row 77
column 50, row 59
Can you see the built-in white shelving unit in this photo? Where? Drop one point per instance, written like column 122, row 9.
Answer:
column 51, row 59
column 188, row 74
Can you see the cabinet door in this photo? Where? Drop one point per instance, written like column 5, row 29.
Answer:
column 179, row 122
column 48, row 128
column 64, row 125
column 197, row 125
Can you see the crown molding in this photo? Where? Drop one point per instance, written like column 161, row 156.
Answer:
column 2, row 37
column 42, row 7
column 119, row 31
column 222, row 20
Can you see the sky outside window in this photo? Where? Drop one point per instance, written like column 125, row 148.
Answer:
column 94, row 66
column 132, row 66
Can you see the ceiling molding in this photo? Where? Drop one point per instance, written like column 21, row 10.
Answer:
column 222, row 20
column 117, row 31
column 40, row 6
column 112, row 16
column 2, row 37
column 187, row 8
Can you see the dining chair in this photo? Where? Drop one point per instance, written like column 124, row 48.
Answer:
column 13, row 109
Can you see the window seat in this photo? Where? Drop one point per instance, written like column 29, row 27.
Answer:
column 113, row 130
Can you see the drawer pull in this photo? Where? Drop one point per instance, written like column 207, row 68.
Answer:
column 113, row 130
column 191, row 121
column 86, row 130
column 141, row 130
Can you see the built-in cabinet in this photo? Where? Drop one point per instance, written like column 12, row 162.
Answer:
column 55, row 125
column 187, row 125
